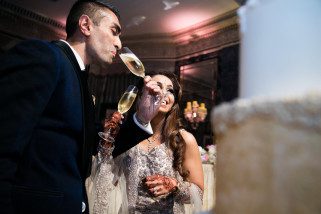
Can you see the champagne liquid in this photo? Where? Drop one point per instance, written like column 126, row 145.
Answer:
column 126, row 101
column 133, row 64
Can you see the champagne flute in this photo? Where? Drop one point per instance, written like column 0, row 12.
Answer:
column 127, row 99
column 135, row 66
column 124, row 104
column 132, row 62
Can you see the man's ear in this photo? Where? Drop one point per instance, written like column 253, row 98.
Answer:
column 85, row 25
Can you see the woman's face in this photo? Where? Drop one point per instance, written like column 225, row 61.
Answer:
column 166, row 86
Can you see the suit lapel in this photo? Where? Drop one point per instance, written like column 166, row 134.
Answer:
column 89, row 133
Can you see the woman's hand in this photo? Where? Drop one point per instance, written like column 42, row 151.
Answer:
column 112, row 123
column 147, row 109
column 161, row 185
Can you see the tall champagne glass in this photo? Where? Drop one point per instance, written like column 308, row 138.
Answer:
column 124, row 104
column 127, row 99
column 132, row 62
column 135, row 66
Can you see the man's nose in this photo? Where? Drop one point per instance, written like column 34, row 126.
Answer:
column 118, row 44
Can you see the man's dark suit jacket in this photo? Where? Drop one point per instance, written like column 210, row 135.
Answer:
column 47, row 132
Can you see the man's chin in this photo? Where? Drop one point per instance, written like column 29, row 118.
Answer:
column 106, row 64
column 100, row 68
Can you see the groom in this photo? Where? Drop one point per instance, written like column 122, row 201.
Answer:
column 47, row 131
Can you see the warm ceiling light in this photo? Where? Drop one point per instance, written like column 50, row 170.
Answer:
column 178, row 21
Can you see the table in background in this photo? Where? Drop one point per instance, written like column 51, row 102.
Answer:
column 209, row 190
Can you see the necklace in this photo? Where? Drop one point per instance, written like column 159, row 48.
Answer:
column 151, row 142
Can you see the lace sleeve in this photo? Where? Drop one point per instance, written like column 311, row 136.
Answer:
column 189, row 193
column 106, row 170
column 106, row 184
column 100, row 184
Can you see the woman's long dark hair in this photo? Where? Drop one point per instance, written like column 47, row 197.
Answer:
column 172, row 125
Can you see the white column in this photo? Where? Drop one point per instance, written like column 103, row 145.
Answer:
column 280, row 47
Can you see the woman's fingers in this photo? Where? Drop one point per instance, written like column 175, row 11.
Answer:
column 153, row 183
column 152, row 86
column 147, row 79
column 157, row 190
column 158, row 184
column 152, row 177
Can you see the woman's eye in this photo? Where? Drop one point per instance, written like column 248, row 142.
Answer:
column 170, row 91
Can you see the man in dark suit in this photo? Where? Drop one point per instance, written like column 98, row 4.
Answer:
column 47, row 131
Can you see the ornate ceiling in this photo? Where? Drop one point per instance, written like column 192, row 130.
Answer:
column 143, row 17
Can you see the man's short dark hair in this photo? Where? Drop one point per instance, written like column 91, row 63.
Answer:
column 90, row 8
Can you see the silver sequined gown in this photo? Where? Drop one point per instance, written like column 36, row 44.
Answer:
column 135, row 165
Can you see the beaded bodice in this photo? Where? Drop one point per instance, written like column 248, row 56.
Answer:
column 137, row 164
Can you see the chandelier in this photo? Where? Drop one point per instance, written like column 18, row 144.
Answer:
column 195, row 113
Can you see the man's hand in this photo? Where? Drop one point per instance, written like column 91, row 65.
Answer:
column 147, row 106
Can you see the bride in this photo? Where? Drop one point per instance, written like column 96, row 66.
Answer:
column 158, row 175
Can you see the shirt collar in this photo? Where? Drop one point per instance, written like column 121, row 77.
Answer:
column 78, row 58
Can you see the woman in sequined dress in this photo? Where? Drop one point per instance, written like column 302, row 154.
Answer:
column 161, row 173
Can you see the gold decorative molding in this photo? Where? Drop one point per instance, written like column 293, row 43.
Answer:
column 29, row 14
column 209, row 43
column 206, row 28
column 208, row 36
column 152, row 50
column 22, row 23
column 193, row 33
column 155, row 38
